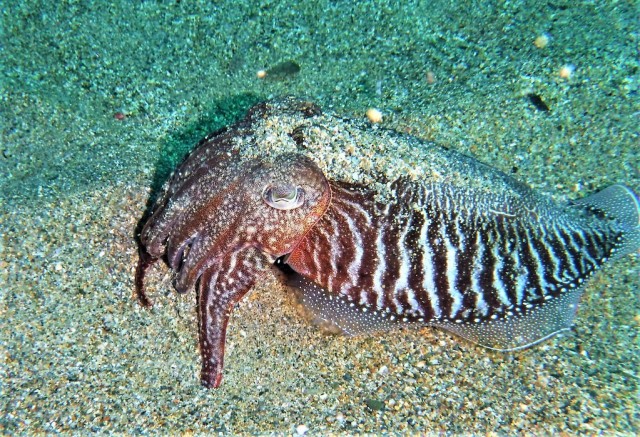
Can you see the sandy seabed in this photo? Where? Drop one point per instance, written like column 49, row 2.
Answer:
column 94, row 112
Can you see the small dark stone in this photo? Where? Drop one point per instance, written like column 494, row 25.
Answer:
column 538, row 102
column 283, row 70
column 375, row 405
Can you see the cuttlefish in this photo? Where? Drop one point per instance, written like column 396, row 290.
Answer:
column 461, row 246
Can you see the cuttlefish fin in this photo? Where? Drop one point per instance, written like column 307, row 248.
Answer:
column 505, row 333
column 335, row 313
column 519, row 330
column 621, row 204
column 220, row 287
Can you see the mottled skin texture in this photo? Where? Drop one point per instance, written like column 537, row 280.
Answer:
column 221, row 224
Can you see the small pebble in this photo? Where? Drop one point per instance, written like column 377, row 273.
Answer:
column 374, row 115
column 375, row 405
column 566, row 71
column 541, row 41
column 431, row 77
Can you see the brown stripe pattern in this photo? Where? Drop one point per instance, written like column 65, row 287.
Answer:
column 440, row 253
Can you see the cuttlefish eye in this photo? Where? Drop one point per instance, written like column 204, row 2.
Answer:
column 284, row 196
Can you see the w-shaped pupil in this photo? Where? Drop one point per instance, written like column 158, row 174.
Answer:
column 283, row 196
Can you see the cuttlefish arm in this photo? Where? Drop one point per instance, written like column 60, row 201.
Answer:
column 220, row 288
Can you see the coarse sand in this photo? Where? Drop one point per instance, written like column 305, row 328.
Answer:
column 98, row 102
